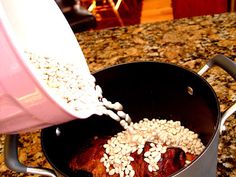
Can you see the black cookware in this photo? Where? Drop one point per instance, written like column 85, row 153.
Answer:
column 146, row 89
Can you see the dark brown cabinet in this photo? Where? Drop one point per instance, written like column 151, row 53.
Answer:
column 190, row 8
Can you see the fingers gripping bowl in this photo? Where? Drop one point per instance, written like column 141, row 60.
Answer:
column 153, row 90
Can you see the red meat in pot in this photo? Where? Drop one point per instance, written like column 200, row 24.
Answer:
column 89, row 161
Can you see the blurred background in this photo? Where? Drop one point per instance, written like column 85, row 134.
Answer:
column 101, row 14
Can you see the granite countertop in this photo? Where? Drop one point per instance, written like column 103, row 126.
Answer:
column 185, row 42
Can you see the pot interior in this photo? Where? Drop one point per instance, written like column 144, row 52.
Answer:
column 146, row 90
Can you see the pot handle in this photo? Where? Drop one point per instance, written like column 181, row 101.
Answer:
column 230, row 67
column 13, row 163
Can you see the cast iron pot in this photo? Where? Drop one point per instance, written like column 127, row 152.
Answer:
column 146, row 89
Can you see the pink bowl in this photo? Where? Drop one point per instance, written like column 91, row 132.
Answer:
column 26, row 104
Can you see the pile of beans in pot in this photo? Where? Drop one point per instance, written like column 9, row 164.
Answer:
column 148, row 148
column 159, row 135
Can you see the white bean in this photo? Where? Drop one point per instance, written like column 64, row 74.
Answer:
column 121, row 114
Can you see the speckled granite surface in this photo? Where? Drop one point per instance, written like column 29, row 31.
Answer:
column 186, row 42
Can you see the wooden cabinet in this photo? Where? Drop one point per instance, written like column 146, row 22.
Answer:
column 190, row 8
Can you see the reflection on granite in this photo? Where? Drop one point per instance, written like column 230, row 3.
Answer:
column 185, row 42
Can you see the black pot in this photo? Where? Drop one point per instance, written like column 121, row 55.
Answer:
column 146, row 89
